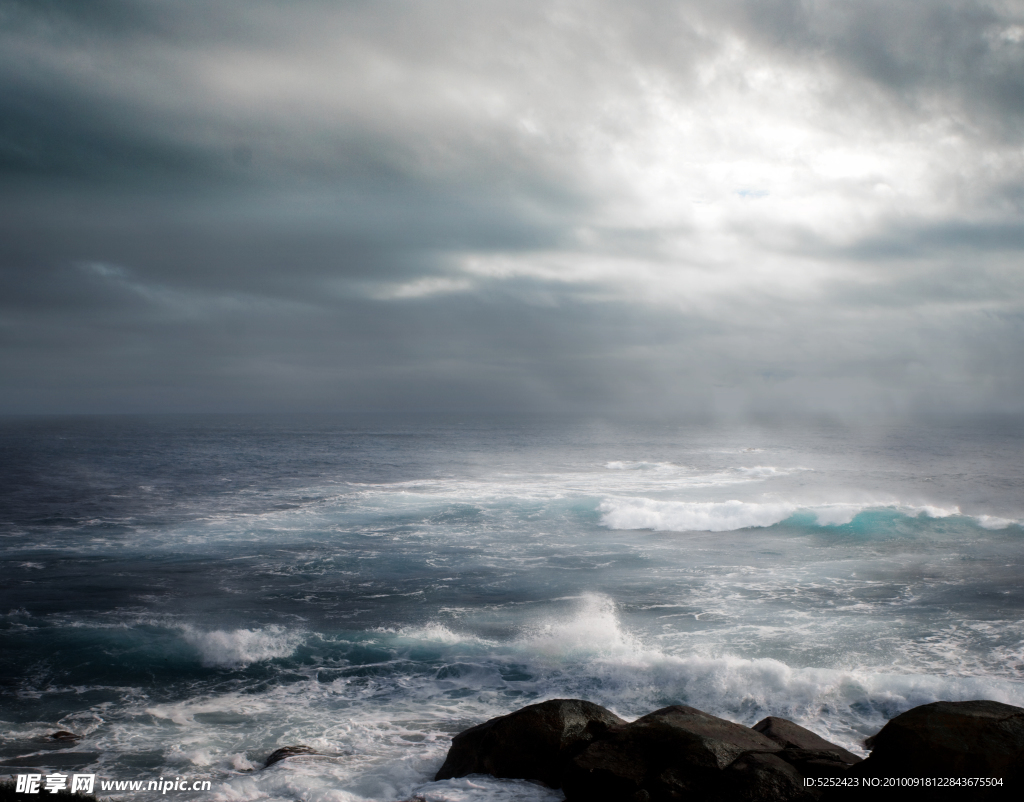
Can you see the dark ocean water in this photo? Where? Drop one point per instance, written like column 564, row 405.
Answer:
column 189, row 593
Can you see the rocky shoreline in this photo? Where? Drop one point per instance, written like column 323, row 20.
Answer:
column 961, row 751
column 957, row 750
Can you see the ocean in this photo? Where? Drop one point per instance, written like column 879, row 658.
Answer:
column 189, row 593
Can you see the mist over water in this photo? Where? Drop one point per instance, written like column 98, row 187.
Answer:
column 191, row 593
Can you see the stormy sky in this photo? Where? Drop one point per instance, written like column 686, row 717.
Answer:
column 727, row 207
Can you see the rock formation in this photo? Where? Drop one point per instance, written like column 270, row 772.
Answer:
column 533, row 743
column 673, row 752
column 288, row 751
column 680, row 753
column 954, row 741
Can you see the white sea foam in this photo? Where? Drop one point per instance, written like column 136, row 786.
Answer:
column 658, row 473
column 394, row 726
column 682, row 516
column 837, row 514
column 842, row 704
column 929, row 510
column 627, row 465
column 994, row 522
column 724, row 516
column 589, row 653
column 433, row 633
column 497, row 491
column 242, row 647
column 479, row 788
column 763, row 471
column 592, row 629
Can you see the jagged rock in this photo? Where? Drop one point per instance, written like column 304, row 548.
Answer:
column 762, row 777
column 288, row 751
column 673, row 753
column 791, row 735
column 533, row 743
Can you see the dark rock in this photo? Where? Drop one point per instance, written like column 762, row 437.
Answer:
column 533, row 743
column 64, row 735
column 762, row 777
column 950, row 739
column 673, row 753
column 816, row 762
column 288, row 751
column 788, row 734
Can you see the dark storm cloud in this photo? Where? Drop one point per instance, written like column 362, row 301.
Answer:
column 956, row 54
column 662, row 207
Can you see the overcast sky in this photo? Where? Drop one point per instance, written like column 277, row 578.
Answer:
column 735, row 207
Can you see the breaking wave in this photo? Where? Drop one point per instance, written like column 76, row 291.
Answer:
column 702, row 516
column 237, row 648
column 728, row 516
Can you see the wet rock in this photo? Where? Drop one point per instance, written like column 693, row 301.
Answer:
column 762, row 777
column 674, row 753
column 680, row 753
column 816, row 762
column 288, row 751
column 65, row 736
column 950, row 739
column 533, row 743
column 976, row 739
column 791, row 735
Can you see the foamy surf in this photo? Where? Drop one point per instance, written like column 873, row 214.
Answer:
column 727, row 516
column 700, row 516
column 592, row 630
column 383, row 716
column 371, row 593
column 241, row 647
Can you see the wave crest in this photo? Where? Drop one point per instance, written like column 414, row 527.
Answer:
column 702, row 516
column 592, row 629
column 237, row 648
column 728, row 516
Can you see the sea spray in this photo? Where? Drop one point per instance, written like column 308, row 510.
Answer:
column 235, row 585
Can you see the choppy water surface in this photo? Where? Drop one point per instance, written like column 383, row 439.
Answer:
column 191, row 593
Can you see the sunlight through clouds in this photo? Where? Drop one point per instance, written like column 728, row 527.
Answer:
column 685, row 183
